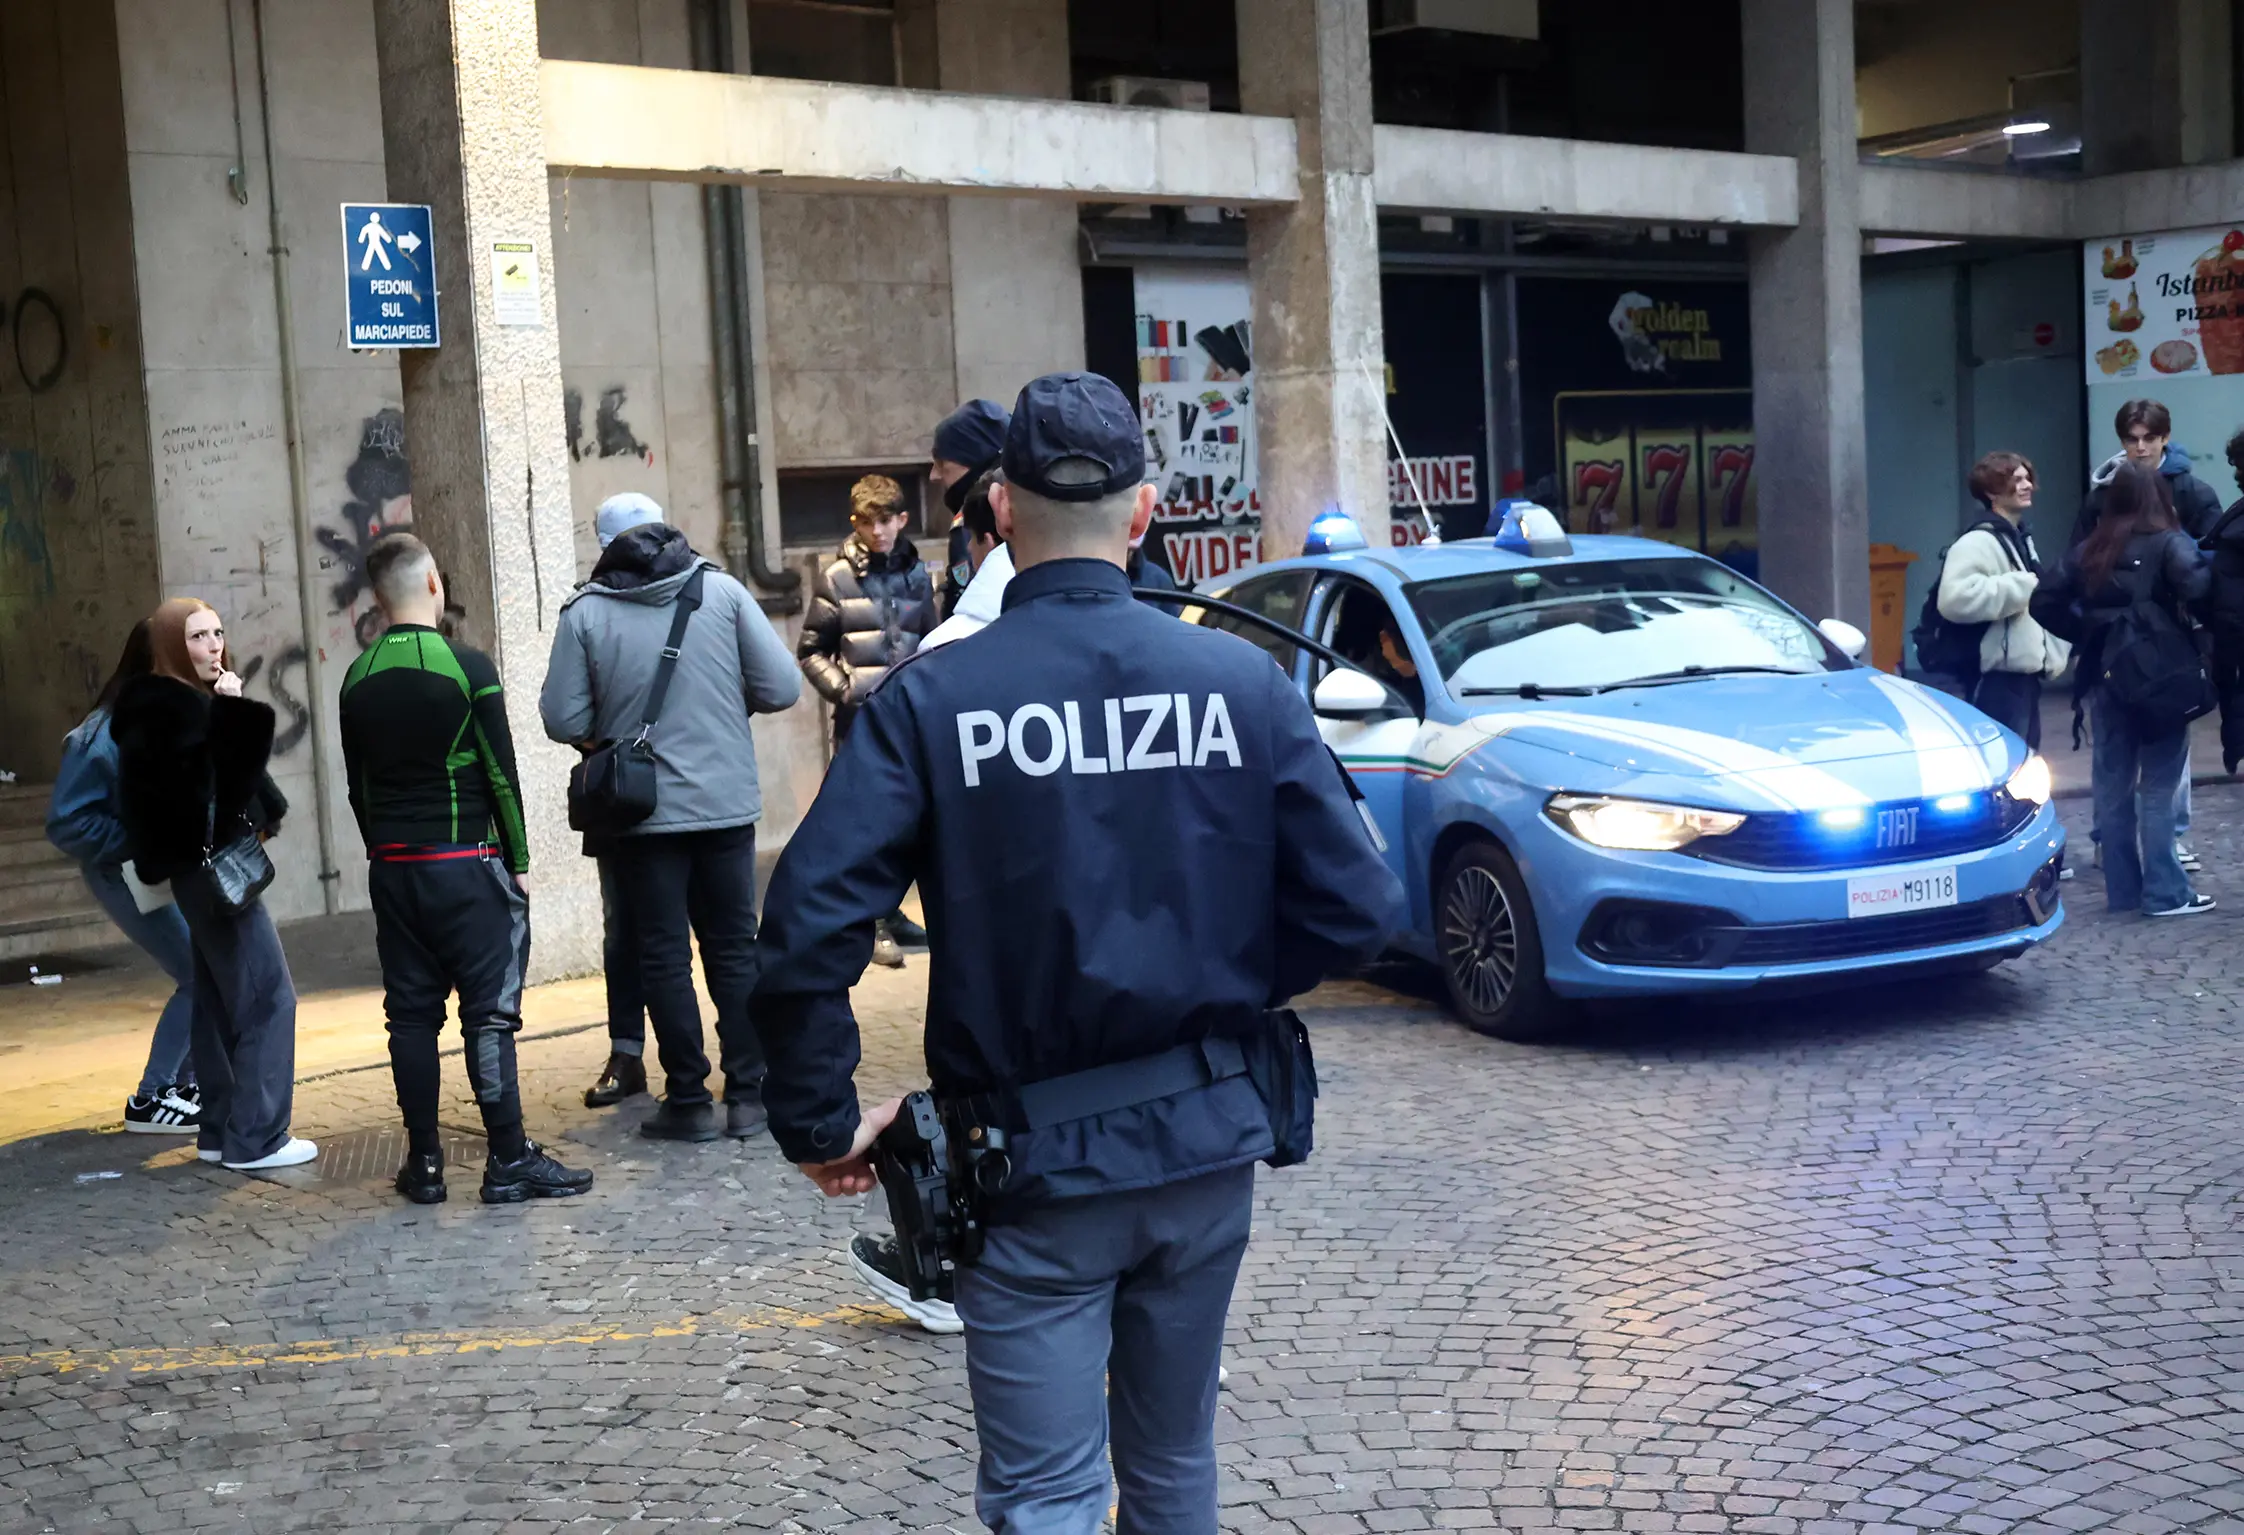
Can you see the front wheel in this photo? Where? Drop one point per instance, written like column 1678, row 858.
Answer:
column 1491, row 952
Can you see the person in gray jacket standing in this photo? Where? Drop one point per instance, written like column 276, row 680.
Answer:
column 690, row 867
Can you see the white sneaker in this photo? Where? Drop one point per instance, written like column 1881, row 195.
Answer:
column 2188, row 859
column 210, row 1154
column 2195, row 906
column 881, row 1270
column 293, row 1152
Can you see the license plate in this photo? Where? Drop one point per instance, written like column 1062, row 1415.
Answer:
column 1880, row 895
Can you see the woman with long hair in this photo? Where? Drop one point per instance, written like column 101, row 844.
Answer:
column 2137, row 552
column 191, row 757
column 83, row 821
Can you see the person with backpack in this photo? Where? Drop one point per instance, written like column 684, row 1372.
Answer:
column 1985, row 587
column 2122, row 596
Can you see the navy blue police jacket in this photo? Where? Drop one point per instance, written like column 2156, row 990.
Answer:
column 1127, row 836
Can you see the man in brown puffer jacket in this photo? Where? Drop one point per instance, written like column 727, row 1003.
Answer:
column 871, row 605
column 869, row 608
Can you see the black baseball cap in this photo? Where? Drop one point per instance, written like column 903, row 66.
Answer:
column 1080, row 417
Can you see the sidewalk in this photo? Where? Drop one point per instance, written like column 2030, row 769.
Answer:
column 75, row 1050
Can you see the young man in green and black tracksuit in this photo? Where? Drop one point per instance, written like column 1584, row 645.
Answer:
column 431, row 767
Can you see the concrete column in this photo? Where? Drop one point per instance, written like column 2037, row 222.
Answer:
column 1319, row 360
column 1806, row 305
column 2130, row 85
column 463, row 130
column 1016, row 276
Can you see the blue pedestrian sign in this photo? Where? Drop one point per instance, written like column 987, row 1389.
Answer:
column 389, row 275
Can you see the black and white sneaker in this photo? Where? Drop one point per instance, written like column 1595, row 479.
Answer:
column 174, row 1111
column 2188, row 860
column 2195, row 906
column 881, row 1267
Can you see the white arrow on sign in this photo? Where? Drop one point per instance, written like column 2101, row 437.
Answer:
column 409, row 242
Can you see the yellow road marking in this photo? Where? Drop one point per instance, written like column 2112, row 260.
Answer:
column 140, row 1361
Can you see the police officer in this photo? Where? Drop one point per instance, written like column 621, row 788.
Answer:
column 1090, row 984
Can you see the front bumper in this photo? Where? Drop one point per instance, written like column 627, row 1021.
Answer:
column 1648, row 924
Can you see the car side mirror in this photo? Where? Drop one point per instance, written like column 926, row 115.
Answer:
column 1846, row 636
column 1348, row 694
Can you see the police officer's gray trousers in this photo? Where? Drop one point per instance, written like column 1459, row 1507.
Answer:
column 1111, row 1305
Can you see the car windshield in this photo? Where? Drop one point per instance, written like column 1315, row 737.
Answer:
column 1610, row 623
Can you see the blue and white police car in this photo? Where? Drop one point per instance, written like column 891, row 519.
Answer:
column 1611, row 767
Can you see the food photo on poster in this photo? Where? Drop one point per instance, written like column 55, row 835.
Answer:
column 2166, row 305
column 2163, row 317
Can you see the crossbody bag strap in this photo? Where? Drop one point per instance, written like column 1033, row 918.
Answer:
column 689, row 598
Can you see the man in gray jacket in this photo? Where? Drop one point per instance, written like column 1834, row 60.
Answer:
column 692, row 864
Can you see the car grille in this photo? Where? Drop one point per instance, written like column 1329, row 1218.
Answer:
column 1851, row 938
column 1624, row 930
column 1905, row 831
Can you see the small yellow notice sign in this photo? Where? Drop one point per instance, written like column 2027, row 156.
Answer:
column 514, row 283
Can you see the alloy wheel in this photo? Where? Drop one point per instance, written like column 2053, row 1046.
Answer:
column 1479, row 939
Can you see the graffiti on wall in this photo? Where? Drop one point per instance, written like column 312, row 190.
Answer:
column 612, row 436
column 27, row 483
column 380, row 482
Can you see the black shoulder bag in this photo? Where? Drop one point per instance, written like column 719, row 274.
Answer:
column 613, row 788
column 234, row 876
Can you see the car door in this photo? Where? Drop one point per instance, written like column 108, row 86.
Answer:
column 1281, row 597
column 1355, row 621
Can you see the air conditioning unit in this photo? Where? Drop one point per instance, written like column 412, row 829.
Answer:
column 1488, row 18
column 1147, row 91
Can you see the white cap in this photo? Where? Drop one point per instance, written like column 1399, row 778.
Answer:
column 618, row 515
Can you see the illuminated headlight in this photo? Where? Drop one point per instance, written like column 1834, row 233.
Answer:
column 1640, row 825
column 2031, row 784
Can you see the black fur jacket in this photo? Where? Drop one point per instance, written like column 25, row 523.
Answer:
column 190, row 772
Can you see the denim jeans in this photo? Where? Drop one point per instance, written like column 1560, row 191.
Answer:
column 2136, row 796
column 245, row 1027
column 161, row 935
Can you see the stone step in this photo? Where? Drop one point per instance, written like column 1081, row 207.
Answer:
column 69, row 933
column 42, row 890
column 24, row 805
column 27, row 846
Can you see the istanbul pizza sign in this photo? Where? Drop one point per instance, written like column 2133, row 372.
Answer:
column 2165, row 305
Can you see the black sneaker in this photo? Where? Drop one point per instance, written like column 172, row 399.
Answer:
column 907, row 933
column 681, row 1122
column 625, row 1076
column 421, row 1179
column 881, row 1267
column 170, row 1112
column 533, row 1175
column 2195, row 906
column 744, row 1118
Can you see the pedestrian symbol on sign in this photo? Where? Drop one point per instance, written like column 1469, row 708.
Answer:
column 375, row 238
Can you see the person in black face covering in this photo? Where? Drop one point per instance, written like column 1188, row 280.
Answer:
column 967, row 442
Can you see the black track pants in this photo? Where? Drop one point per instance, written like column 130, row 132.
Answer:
column 444, row 924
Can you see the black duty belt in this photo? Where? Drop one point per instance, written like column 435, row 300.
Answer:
column 1104, row 1089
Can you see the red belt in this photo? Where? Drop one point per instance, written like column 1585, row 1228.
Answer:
column 429, row 852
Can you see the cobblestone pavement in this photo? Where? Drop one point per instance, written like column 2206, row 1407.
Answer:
column 1956, row 1256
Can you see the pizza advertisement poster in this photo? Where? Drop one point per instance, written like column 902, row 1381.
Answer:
column 2166, row 305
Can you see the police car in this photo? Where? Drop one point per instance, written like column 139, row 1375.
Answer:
column 1611, row 767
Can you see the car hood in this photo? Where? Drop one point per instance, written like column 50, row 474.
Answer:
column 1751, row 742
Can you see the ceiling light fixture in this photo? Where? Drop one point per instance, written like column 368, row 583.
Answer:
column 2020, row 129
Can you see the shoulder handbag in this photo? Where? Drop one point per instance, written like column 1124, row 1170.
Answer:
column 234, row 876
column 613, row 788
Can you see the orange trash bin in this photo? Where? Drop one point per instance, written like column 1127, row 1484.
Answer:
column 1889, row 604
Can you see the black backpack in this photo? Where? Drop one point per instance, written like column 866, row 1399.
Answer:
column 1945, row 648
column 2148, row 663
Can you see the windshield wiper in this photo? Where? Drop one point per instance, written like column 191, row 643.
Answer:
column 1693, row 673
column 1529, row 690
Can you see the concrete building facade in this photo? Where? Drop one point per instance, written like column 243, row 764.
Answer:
column 909, row 232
